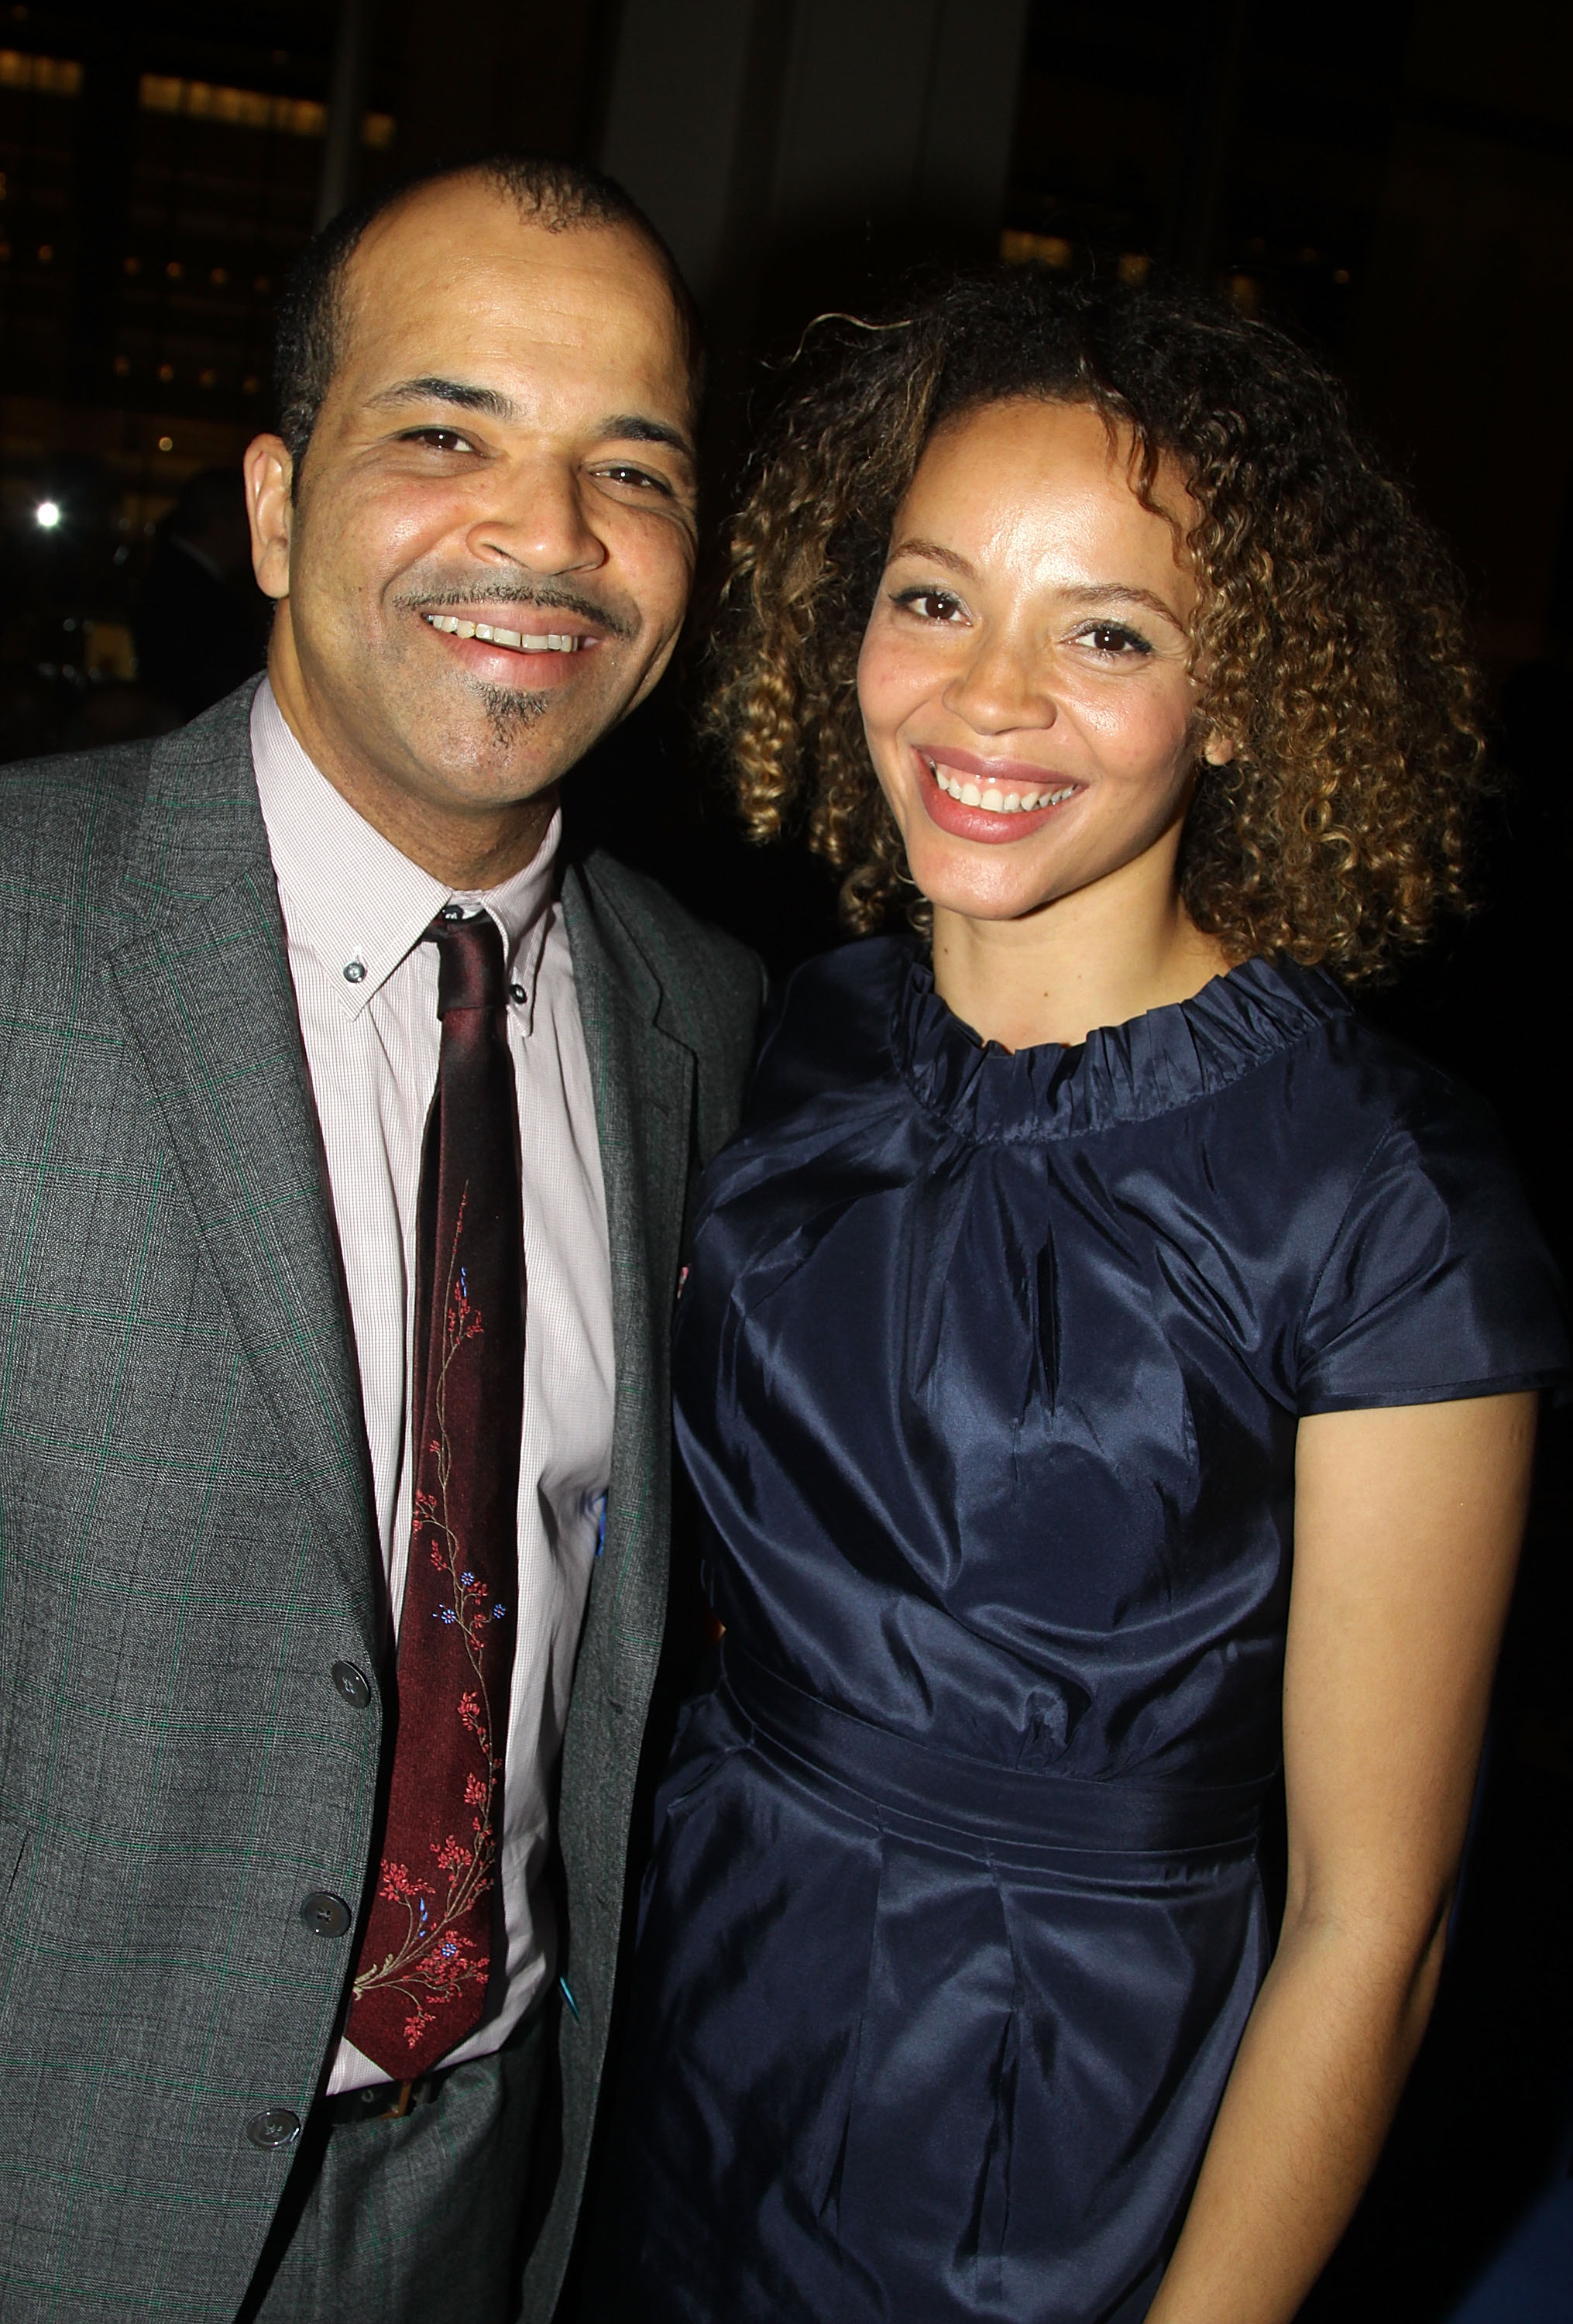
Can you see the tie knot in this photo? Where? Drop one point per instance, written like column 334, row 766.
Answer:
column 470, row 964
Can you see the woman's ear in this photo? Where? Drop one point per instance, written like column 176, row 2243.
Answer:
column 1217, row 749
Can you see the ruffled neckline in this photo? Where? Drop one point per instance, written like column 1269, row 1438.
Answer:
column 1150, row 1066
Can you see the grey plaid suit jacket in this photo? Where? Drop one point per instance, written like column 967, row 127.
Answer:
column 186, row 1543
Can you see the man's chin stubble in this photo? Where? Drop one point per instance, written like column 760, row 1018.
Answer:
column 510, row 711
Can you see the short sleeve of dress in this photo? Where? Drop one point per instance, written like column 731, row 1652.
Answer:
column 1437, row 1284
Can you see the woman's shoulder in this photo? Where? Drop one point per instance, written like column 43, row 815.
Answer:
column 1429, row 1276
column 1347, row 1118
column 1365, row 1085
column 1333, row 1068
column 828, row 1027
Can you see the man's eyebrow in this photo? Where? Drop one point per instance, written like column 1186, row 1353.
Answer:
column 461, row 392
column 635, row 427
column 623, row 427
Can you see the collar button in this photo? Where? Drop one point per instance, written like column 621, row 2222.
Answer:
column 355, row 972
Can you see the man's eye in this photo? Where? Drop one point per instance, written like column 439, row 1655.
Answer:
column 621, row 472
column 440, row 439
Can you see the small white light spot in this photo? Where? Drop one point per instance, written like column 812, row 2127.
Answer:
column 48, row 514
column 355, row 972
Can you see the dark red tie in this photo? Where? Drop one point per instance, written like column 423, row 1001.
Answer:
column 428, row 1951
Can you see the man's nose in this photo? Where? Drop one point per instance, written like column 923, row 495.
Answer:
column 541, row 521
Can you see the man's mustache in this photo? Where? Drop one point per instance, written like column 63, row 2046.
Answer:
column 551, row 597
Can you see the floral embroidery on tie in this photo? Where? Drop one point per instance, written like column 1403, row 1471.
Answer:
column 429, row 1949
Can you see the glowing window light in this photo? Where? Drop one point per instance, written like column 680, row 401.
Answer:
column 52, row 75
column 1020, row 249
column 251, row 108
column 47, row 514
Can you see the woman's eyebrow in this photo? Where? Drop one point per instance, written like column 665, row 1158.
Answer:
column 936, row 556
column 1080, row 592
column 1104, row 592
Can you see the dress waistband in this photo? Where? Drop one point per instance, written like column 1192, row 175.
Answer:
column 1041, row 1808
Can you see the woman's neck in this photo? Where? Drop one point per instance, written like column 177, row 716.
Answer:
column 1098, row 956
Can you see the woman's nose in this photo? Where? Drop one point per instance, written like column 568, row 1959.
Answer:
column 1005, row 685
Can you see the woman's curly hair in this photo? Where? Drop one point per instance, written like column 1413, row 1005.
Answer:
column 1328, row 634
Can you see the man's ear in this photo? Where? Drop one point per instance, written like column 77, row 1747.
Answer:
column 270, row 476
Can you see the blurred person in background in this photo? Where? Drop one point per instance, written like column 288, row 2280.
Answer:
column 201, row 622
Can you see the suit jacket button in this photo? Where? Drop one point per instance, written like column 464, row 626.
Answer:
column 325, row 1914
column 353, row 1684
column 274, row 2127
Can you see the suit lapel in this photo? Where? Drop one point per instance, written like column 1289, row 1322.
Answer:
column 643, row 1079
column 204, row 991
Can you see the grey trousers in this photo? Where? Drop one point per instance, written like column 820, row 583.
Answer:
column 417, row 2221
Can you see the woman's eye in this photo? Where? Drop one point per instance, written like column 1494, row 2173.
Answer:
column 1114, row 639
column 931, row 605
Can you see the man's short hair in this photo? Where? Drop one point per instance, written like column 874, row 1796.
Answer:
column 561, row 195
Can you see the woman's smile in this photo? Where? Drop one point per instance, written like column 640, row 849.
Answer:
column 992, row 800
column 1026, row 679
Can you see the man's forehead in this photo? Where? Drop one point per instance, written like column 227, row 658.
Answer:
column 459, row 259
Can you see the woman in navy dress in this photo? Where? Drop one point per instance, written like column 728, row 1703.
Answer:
column 1107, row 1366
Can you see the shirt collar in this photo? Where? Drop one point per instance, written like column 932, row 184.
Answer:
column 350, row 896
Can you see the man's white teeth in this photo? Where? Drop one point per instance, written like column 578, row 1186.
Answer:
column 555, row 641
column 991, row 797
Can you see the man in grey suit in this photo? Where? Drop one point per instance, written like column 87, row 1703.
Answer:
column 303, row 2011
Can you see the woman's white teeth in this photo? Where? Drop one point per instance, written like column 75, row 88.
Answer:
column 991, row 797
column 553, row 643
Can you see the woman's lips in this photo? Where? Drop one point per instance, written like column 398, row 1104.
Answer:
column 973, row 799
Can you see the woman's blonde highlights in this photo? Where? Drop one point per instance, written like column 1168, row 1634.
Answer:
column 1329, row 632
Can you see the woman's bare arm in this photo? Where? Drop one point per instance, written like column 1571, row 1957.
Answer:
column 1407, row 1524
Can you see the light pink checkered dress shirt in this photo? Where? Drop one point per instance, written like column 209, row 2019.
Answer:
column 366, row 987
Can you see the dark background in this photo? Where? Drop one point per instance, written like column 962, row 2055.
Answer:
column 1390, row 181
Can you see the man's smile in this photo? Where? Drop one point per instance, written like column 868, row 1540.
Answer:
column 540, row 644
column 512, row 641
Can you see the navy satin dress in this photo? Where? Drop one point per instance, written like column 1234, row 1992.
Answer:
column 988, row 1371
